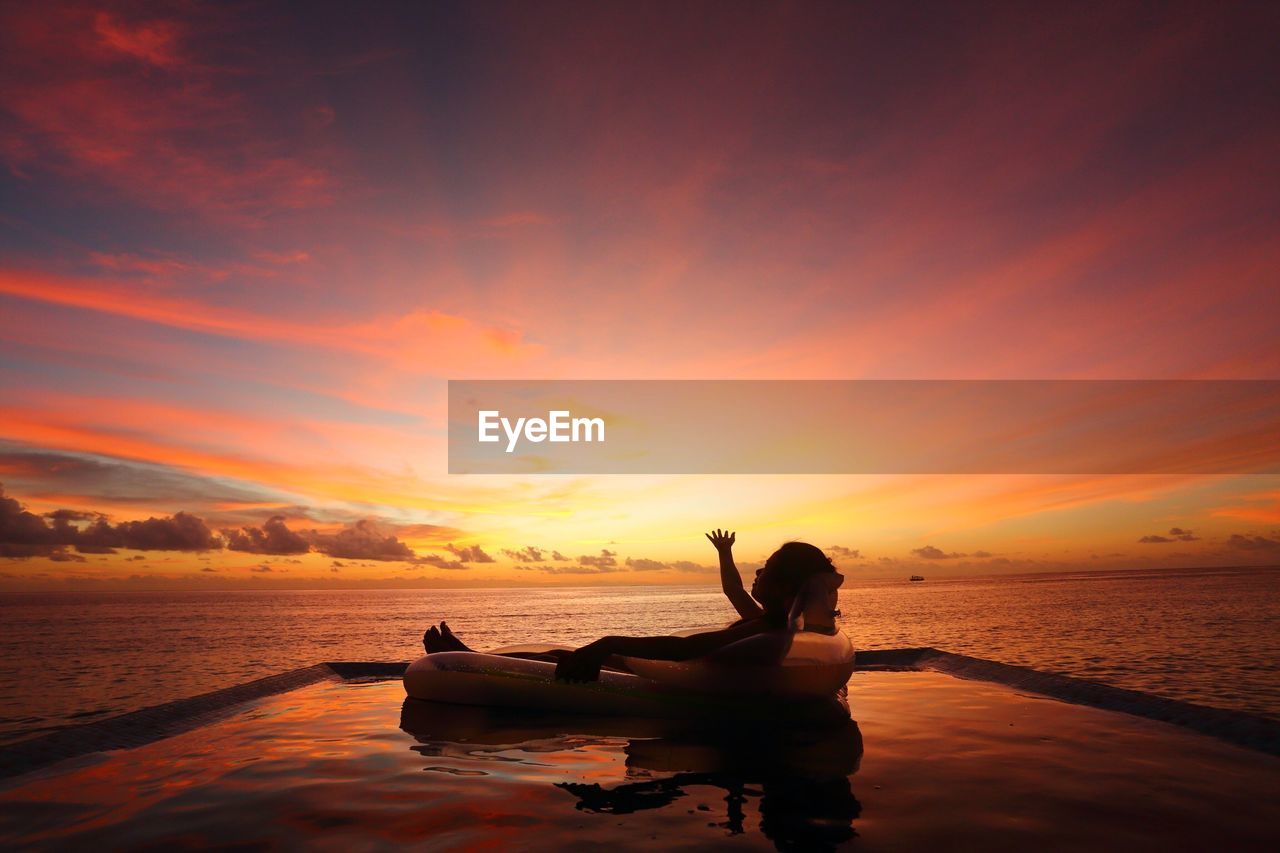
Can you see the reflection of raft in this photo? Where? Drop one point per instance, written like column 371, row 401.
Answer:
column 790, row 782
column 813, row 671
column 752, row 749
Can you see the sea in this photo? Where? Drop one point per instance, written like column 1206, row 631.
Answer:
column 1208, row 636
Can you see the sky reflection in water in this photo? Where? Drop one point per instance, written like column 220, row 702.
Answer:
column 931, row 761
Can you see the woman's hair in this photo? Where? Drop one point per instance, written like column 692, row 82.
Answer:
column 787, row 570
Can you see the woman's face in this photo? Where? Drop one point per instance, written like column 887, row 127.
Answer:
column 763, row 588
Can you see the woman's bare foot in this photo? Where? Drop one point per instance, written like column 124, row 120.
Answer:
column 447, row 635
column 442, row 639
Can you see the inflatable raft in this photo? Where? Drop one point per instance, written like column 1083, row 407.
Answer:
column 810, row 677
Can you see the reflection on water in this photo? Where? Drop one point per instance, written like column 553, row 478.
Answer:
column 955, row 765
column 796, row 778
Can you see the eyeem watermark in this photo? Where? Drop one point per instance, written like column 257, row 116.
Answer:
column 559, row 427
column 1173, row 427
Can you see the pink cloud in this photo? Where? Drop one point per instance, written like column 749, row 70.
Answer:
column 129, row 103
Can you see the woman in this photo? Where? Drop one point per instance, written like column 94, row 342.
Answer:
column 773, row 602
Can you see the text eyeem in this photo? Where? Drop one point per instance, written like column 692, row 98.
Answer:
column 559, row 426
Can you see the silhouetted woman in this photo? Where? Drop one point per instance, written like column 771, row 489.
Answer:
column 798, row 581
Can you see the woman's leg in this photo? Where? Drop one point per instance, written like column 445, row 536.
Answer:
column 442, row 639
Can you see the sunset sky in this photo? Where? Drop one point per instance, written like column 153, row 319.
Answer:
column 243, row 247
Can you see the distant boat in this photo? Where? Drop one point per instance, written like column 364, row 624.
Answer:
column 917, row 577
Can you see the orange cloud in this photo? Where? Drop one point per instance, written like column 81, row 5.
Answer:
column 1262, row 507
column 418, row 340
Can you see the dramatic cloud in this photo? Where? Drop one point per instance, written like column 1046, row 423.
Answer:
column 590, row 569
column 440, row 562
column 1176, row 534
column 274, row 537
column 929, row 552
column 363, row 540
column 180, row 532
column 85, row 548
column 1250, row 542
column 527, row 554
column 606, row 560
column 120, row 481
column 24, row 534
column 533, row 554
column 841, row 552
column 114, row 99
column 21, row 529
column 642, row 564
column 469, row 554
column 69, row 515
column 948, row 228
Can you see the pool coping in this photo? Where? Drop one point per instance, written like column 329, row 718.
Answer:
column 157, row 722
column 1241, row 728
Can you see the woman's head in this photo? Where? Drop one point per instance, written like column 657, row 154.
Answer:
column 784, row 573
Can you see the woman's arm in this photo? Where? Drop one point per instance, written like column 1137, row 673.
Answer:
column 584, row 663
column 730, row 580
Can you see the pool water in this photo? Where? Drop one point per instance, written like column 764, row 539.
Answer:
column 931, row 761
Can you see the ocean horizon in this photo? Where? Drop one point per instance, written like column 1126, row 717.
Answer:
column 1198, row 635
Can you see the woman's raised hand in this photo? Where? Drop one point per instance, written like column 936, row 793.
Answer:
column 722, row 539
